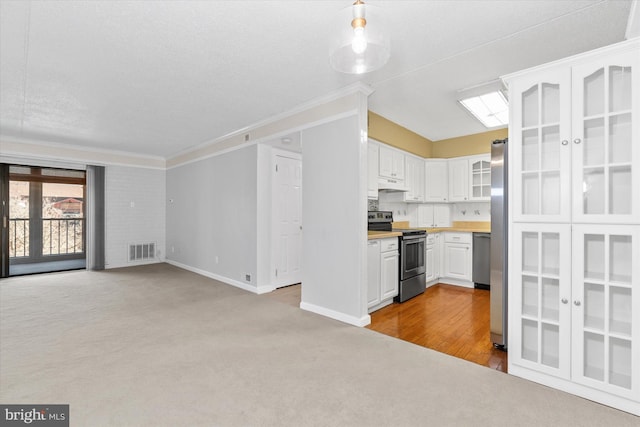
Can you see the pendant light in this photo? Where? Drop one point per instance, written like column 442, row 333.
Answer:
column 360, row 40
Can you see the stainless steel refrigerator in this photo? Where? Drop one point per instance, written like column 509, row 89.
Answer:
column 499, row 243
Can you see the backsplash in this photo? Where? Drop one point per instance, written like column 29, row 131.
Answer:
column 479, row 211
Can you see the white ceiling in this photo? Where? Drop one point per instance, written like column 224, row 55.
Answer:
column 158, row 77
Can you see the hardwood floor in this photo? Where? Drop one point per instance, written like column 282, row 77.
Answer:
column 450, row 319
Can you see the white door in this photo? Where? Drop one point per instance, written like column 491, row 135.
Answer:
column 388, row 275
column 373, row 273
column 287, row 221
column 458, row 180
column 605, row 299
column 456, row 261
column 429, row 261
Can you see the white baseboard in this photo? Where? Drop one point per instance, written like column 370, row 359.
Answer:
column 134, row 264
column 456, row 282
column 223, row 279
column 362, row 321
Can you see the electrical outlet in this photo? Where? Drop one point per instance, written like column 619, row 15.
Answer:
column 216, row 259
column 173, row 250
column 247, row 277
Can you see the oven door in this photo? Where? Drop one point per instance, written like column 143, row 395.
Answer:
column 412, row 256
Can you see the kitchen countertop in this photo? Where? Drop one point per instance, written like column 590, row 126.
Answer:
column 465, row 226
column 382, row 234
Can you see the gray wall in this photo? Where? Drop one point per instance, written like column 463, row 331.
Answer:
column 134, row 212
column 214, row 213
column 334, row 220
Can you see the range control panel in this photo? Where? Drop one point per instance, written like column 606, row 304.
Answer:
column 380, row 216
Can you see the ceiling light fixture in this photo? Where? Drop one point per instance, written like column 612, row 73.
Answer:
column 360, row 40
column 487, row 103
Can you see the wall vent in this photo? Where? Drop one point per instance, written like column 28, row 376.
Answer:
column 142, row 251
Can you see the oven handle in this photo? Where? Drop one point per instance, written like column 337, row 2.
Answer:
column 417, row 236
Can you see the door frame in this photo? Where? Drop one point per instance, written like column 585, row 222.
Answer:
column 275, row 153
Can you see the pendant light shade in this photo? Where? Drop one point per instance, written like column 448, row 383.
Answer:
column 360, row 41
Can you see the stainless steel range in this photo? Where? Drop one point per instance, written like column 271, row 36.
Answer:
column 412, row 280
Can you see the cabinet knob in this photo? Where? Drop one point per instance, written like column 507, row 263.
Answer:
column 564, row 142
column 577, row 141
column 576, row 303
column 564, row 300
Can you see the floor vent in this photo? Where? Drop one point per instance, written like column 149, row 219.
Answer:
column 142, row 251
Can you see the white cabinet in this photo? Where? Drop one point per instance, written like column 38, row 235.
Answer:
column 573, row 124
column 413, row 182
column 541, row 295
column 605, row 318
column 382, row 272
column 457, row 256
column 391, row 163
column 414, row 179
column 432, row 257
column 458, row 180
column 436, row 180
column 480, row 178
column 574, row 275
column 606, row 139
column 373, row 151
column 389, row 270
column 436, row 215
column 470, row 178
column 576, row 324
column 373, row 273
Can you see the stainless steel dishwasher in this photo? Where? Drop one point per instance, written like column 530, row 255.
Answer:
column 481, row 260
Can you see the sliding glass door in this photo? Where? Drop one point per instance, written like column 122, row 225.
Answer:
column 46, row 220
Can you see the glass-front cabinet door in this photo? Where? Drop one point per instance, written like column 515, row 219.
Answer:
column 606, row 285
column 540, row 149
column 541, row 286
column 480, row 176
column 606, row 140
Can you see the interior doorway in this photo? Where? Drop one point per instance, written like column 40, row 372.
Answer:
column 286, row 217
column 45, row 220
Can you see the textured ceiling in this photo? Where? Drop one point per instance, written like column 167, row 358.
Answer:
column 158, row 77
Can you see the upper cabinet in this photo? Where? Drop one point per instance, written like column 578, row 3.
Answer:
column 606, row 139
column 373, row 151
column 436, row 180
column 458, row 180
column 480, row 178
column 414, row 179
column 470, row 178
column 539, row 136
column 391, row 163
column 574, row 132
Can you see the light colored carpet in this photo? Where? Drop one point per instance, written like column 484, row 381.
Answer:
column 157, row 345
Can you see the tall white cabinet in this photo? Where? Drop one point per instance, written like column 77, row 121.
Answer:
column 574, row 278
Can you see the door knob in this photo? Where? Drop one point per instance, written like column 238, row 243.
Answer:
column 564, row 142
column 576, row 303
column 577, row 141
column 564, row 300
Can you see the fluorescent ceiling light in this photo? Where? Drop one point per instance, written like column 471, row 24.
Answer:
column 492, row 109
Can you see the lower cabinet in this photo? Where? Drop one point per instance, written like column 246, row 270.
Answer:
column 432, row 257
column 457, row 261
column 575, row 290
column 382, row 272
